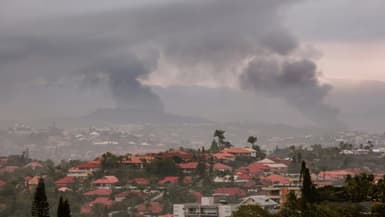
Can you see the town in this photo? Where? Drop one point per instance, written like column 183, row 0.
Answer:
column 215, row 179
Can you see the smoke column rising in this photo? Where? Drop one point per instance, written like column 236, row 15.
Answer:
column 198, row 41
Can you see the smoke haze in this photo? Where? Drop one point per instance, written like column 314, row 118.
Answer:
column 237, row 44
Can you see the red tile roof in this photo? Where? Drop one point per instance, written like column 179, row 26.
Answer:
column 87, row 208
column 238, row 150
column 244, row 176
column 34, row 165
column 153, row 207
column 102, row 200
column 8, row 169
column 169, row 179
column 234, row 191
column 223, row 155
column 98, row 192
column 33, row 180
column 89, row 165
column 191, row 165
column 281, row 161
column 338, row 174
column 220, row 166
column 127, row 193
column 255, row 168
column 141, row 181
column 275, row 179
column 65, row 180
column 249, row 184
column 106, row 180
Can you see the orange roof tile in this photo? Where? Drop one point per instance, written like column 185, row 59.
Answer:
column 106, row 180
column 98, row 192
column 191, row 165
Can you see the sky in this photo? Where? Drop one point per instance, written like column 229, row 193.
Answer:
column 301, row 58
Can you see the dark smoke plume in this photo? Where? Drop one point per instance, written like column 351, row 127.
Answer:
column 194, row 41
column 122, row 76
column 295, row 81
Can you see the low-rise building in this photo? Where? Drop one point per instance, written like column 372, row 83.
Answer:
column 106, row 182
column 207, row 208
column 261, row 200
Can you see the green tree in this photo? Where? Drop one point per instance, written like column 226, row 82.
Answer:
column 63, row 209
column 251, row 211
column 40, row 206
column 291, row 207
column 214, row 146
column 163, row 167
column 308, row 190
column 378, row 210
column 252, row 140
column 60, row 207
column 109, row 161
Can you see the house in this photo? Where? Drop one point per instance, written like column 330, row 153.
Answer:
column 262, row 201
column 85, row 169
column 273, row 166
column 237, row 151
column 98, row 192
column 64, row 189
column 104, row 201
column 257, row 168
column 65, row 181
column 224, row 156
column 8, row 169
column 34, row 165
column 106, row 182
column 137, row 161
column 242, row 177
column 224, row 179
column 222, row 167
column 206, row 207
column 168, row 179
column 188, row 168
column 274, row 179
column 141, row 181
column 230, row 191
column 334, row 175
column 153, row 208
column 31, row 182
column 279, row 193
column 121, row 196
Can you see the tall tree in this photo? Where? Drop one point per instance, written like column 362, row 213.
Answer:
column 308, row 191
column 63, row 209
column 214, row 146
column 40, row 206
column 251, row 211
column 60, row 207
column 66, row 209
column 252, row 140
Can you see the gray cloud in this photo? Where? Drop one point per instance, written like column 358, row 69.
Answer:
column 120, row 47
column 338, row 20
